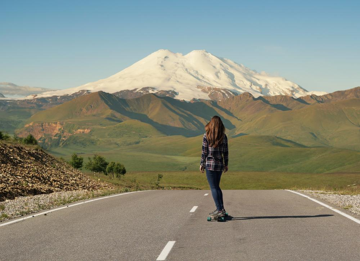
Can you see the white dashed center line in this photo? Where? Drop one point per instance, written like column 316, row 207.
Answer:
column 164, row 253
column 194, row 208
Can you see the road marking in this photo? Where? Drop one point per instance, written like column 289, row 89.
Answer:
column 164, row 253
column 327, row 206
column 206, row 194
column 194, row 208
column 68, row 206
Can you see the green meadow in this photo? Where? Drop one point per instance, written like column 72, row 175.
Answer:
column 255, row 161
column 275, row 144
column 251, row 153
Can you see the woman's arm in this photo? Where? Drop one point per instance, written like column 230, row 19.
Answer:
column 204, row 153
column 226, row 153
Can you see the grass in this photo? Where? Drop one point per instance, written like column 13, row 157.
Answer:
column 3, row 217
column 136, row 136
column 13, row 119
column 249, row 153
column 343, row 183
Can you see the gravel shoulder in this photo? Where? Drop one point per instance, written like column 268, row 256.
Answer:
column 21, row 206
column 347, row 202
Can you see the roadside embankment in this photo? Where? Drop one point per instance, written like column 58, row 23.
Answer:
column 31, row 171
column 32, row 180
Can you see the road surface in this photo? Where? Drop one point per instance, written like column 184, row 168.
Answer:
column 263, row 225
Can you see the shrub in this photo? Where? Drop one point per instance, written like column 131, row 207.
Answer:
column 120, row 169
column 30, row 140
column 111, row 168
column 18, row 139
column 76, row 161
column 4, row 136
column 97, row 164
column 116, row 169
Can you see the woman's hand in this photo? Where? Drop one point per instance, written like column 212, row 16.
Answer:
column 202, row 169
column 226, row 168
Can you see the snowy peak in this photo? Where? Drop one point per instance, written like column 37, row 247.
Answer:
column 196, row 75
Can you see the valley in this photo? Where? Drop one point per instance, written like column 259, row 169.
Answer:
column 151, row 117
column 311, row 134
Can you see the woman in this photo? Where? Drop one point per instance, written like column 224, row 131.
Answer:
column 215, row 159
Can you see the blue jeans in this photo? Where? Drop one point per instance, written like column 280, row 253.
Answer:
column 213, row 178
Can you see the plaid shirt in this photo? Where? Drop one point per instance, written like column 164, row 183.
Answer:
column 214, row 158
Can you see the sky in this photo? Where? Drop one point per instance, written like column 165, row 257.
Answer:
column 63, row 44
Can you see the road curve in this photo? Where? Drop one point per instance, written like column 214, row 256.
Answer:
column 263, row 225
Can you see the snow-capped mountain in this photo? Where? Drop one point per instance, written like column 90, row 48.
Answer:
column 196, row 75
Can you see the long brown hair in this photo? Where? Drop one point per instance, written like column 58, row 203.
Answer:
column 215, row 131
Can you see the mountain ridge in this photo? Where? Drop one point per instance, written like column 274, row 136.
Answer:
column 282, row 116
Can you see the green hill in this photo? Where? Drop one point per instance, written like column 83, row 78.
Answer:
column 330, row 121
column 94, row 105
column 334, row 124
column 276, row 133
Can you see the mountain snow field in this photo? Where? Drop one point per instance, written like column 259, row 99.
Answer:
column 190, row 76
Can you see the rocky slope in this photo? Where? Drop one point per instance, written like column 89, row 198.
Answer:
column 31, row 171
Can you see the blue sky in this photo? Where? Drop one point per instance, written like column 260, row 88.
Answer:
column 63, row 44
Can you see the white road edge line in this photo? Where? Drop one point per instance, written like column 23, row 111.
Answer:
column 164, row 253
column 206, row 194
column 69, row 206
column 194, row 208
column 327, row 206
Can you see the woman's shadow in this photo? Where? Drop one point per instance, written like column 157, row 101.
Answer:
column 231, row 218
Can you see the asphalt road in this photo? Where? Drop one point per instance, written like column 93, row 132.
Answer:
column 263, row 225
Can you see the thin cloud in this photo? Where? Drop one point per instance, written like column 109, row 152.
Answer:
column 8, row 88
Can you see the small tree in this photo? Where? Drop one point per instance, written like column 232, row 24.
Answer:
column 76, row 161
column 30, row 140
column 116, row 169
column 17, row 138
column 111, row 168
column 123, row 170
column 157, row 182
column 4, row 136
column 97, row 164
column 119, row 169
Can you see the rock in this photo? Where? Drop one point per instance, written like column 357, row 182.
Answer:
column 31, row 171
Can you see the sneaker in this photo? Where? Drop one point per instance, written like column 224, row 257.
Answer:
column 216, row 214
column 220, row 216
column 213, row 213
